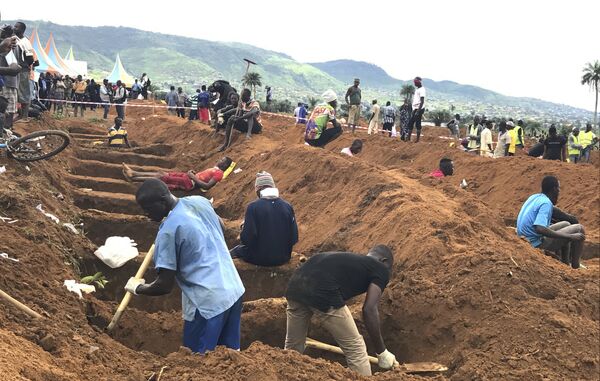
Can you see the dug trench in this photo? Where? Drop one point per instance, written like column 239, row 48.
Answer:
column 460, row 310
column 465, row 291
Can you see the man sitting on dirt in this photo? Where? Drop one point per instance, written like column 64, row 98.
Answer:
column 317, row 134
column 117, row 135
column 186, row 181
column 564, row 239
column 248, row 122
column 227, row 111
column 322, row 286
column 446, row 168
column 190, row 248
column 269, row 231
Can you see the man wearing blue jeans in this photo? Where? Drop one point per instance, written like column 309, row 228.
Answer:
column 190, row 248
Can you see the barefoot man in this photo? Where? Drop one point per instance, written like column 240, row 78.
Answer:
column 186, row 181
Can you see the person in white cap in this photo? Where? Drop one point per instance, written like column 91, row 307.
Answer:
column 317, row 134
column 269, row 231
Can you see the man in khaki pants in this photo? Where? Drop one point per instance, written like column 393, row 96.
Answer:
column 353, row 99
column 321, row 288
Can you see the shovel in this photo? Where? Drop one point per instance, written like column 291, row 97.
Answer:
column 139, row 275
column 19, row 305
column 413, row 367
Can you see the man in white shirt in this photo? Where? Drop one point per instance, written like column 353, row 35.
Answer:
column 106, row 95
column 418, row 107
column 374, row 120
column 486, row 140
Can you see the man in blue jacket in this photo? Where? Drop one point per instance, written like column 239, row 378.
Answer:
column 269, row 232
column 190, row 248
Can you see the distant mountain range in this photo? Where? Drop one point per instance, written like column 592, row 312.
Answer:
column 189, row 62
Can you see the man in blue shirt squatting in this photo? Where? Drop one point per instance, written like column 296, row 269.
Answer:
column 563, row 238
column 190, row 248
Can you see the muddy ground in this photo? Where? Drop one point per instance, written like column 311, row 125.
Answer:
column 465, row 290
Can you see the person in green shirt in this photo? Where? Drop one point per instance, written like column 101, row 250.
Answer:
column 317, row 134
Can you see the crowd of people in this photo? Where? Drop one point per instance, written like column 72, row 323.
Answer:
column 52, row 91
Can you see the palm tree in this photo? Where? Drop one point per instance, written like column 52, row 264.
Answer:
column 312, row 101
column 407, row 91
column 252, row 80
column 591, row 77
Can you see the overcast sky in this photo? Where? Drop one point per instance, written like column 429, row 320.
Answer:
column 515, row 47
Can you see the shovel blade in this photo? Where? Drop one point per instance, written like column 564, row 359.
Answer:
column 422, row 367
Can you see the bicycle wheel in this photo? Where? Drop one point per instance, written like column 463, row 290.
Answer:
column 39, row 145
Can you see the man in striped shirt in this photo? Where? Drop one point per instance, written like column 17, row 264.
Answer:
column 194, row 106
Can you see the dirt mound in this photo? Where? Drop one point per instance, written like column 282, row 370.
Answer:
column 465, row 290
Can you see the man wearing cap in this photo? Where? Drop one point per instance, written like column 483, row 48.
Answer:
column 418, row 108
column 317, row 134
column 269, row 231
column 574, row 146
column 190, row 249
column 353, row 98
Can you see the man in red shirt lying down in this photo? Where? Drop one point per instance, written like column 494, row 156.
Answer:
column 185, row 181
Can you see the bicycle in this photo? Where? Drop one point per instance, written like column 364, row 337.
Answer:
column 39, row 145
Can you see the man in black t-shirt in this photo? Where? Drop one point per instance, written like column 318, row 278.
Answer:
column 322, row 286
column 555, row 146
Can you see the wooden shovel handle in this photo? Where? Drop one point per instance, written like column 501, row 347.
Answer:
column 139, row 275
column 331, row 348
column 19, row 305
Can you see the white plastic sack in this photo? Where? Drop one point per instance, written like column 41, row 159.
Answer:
column 116, row 251
column 140, row 97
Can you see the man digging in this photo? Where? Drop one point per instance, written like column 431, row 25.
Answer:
column 321, row 288
column 190, row 248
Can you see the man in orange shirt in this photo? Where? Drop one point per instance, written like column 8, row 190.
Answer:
column 186, row 181
column 79, row 88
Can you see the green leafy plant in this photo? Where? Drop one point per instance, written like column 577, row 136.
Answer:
column 591, row 77
column 97, row 279
column 407, row 91
column 439, row 116
column 253, row 80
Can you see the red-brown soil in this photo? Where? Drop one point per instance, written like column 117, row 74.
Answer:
column 465, row 291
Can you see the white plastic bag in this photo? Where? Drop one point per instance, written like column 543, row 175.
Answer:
column 116, row 251
column 77, row 288
column 50, row 216
column 140, row 97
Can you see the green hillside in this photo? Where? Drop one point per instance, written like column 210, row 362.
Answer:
column 190, row 62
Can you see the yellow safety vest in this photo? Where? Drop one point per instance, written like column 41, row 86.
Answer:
column 117, row 137
column 472, row 143
column 574, row 151
column 513, row 140
column 586, row 138
column 518, row 135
